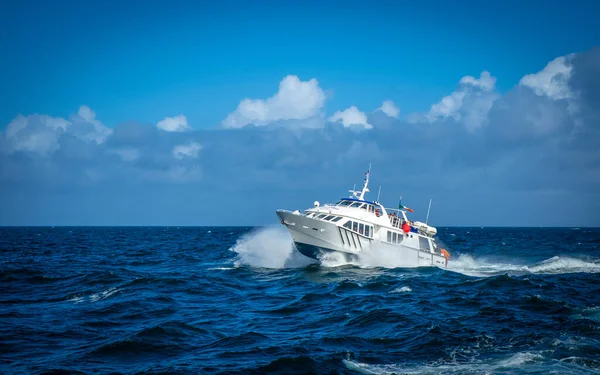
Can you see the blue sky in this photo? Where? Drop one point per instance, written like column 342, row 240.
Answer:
column 134, row 63
column 136, row 67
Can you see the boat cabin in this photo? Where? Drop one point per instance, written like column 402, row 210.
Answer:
column 360, row 204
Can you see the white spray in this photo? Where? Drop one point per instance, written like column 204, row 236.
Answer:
column 269, row 247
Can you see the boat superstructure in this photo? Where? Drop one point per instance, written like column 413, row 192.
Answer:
column 355, row 225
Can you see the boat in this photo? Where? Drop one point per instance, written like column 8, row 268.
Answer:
column 354, row 226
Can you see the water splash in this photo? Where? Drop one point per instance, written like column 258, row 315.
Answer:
column 383, row 256
column 270, row 247
column 470, row 266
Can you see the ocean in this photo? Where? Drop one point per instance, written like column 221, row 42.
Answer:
column 240, row 300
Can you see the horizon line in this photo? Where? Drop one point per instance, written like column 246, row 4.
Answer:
column 269, row 225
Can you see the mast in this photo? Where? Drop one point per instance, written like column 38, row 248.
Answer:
column 426, row 220
column 361, row 194
column 366, row 184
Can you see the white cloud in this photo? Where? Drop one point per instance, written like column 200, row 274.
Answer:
column 389, row 108
column 190, row 150
column 295, row 100
column 87, row 128
column 485, row 82
column 553, row 80
column 351, row 116
column 174, row 124
column 86, row 113
column 469, row 104
column 449, row 106
column 40, row 133
column 34, row 133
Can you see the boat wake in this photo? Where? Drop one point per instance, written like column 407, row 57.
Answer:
column 470, row 266
column 272, row 247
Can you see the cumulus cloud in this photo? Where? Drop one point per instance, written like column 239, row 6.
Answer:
column 485, row 82
column 389, row 108
column 40, row 134
column 469, row 104
column 553, row 80
column 189, row 150
column 86, row 127
column 351, row 117
column 174, row 124
column 295, row 100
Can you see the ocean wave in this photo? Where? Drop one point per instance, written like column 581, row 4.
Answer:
column 521, row 362
column 468, row 265
column 404, row 289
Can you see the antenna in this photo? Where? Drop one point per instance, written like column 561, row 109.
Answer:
column 426, row 220
column 378, row 194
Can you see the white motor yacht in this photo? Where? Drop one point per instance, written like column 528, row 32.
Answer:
column 355, row 225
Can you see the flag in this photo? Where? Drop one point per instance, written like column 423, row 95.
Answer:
column 401, row 207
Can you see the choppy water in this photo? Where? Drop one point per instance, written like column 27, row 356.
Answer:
column 239, row 300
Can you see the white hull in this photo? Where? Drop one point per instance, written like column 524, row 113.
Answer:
column 315, row 237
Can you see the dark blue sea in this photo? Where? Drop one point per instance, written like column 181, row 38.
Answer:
column 170, row 300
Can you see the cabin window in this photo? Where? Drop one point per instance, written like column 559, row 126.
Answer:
column 348, row 225
column 423, row 243
column 355, row 226
column 321, row 216
column 389, row 236
column 329, row 217
column 363, row 206
column 361, row 228
column 367, row 232
column 336, row 219
column 395, row 237
column 355, row 204
column 344, row 203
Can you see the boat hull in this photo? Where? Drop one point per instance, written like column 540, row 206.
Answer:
column 318, row 253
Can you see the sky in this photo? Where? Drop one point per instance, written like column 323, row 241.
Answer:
column 219, row 113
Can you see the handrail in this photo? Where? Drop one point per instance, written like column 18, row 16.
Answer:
column 394, row 221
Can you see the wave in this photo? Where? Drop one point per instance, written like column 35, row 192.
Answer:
column 470, row 266
column 95, row 297
column 566, row 265
column 522, row 362
column 404, row 289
